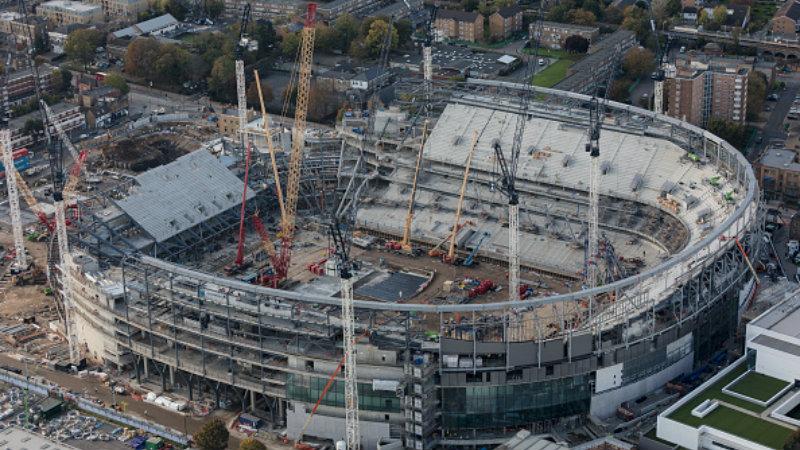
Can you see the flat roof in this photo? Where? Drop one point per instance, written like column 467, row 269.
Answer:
column 71, row 5
column 783, row 318
column 780, row 159
column 17, row 438
column 172, row 198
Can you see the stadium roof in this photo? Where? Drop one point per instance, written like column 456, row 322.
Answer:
column 172, row 198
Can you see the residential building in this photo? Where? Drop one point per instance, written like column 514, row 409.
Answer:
column 505, row 22
column 751, row 404
column 104, row 106
column 690, row 14
column 228, row 122
column 554, row 34
column 58, row 37
column 68, row 116
column 68, row 12
column 370, row 79
column 122, row 9
column 11, row 24
column 779, row 175
column 786, row 20
column 157, row 26
column 266, row 9
column 698, row 88
column 458, row 25
column 332, row 10
column 413, row 10
column 583, row 75
column 335, row 80
column 19, row 87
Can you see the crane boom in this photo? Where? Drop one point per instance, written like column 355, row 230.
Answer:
column 451, row 254
column 298, row 139
column 21, row 258
column 406, row 242
column 268, row 136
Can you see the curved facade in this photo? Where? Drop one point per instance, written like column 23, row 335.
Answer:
column 448, row 374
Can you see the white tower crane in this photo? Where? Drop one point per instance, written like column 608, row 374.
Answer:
column 21, row 259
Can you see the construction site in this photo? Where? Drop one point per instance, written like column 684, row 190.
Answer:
column 440, row 272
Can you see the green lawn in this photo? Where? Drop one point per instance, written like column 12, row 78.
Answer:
column 730, row 420
column 554, row 73
column 758, row 386
column 554, row 53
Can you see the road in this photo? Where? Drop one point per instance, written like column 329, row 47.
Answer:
column 175, row 420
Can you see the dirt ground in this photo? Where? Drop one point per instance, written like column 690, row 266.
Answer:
column 23, row 301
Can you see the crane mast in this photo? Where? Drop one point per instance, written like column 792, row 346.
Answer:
column 593, row 148
column 21, row 259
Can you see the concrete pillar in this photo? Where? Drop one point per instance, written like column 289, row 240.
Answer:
column 146, row 369
column 191, row 387
column 252, row 400
column 172, row 377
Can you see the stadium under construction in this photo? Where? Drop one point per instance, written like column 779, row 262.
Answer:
column 444, row 359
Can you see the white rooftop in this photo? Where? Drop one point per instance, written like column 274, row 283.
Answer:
column 70, row 5
column 19, row 439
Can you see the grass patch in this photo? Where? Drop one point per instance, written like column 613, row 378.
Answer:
column 554, row 73
column 554, row 53
column 758, row 386
column 730, row 420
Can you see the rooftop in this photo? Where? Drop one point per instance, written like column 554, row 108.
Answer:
column 148, row 26
column 70, row 5
column 790, row 9
column 460, row 16
column 509, row 11
column 780, row 159
column 17, row 438
column 172, row 198
column 570, row 26
column 782, row 318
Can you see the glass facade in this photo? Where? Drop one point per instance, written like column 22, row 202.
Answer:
column 306, row 388
column 514, row 404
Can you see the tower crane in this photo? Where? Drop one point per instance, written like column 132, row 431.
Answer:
column 451, row 253
column 658, row 74
column 298, row 142
column 243, row 44
column 20, row 259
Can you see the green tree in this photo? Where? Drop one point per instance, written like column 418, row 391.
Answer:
column 720, row 14
column 736, row 134
column 81, row 44
column 116, row 81
column 325, row 39
column 264, row 32
column 620, row 90
column 140, row 56
column 32, row 126
column 638, row 62
column 634, row 19
column 581, row 17
column 576, row 44
column 170, row 65
column 559, row 12
column 62, row 79
column 222, row 81
column 469, row 5
column 612, row 14
column 374, row 40
column 756, row 93
column 212, row 436
column 214, row 8
column 41, row 44
column 404, row 31
column 793, row 441
column 178, row 8
column 290, row 44
column 347, row 29
column 251, row 444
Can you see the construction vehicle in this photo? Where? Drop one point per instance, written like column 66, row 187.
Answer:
column 451, row 253
column 470, row 260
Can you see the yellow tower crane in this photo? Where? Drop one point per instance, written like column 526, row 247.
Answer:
column 451, row 254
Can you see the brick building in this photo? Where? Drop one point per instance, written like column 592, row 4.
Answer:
column 18, row 87
column 779, row 175
column 698, row 88
column 554, row 34
column 458, row 25
column 505, row 22
column 68, row 116
column 127, row 10
column 11, row 24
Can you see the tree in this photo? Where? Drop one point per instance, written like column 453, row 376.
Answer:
column 374, row 40
column 735, row 133
column 62, row 80
column 214, row 8
column 222, row 81
column 178, row 8
column 469, row 5
column 638, row 62
column 251, row 444
column 559, row 12
column 635, row 20
column 720, row 14
column 404, row 30
column 264, row 32
column 619, row 90
column 41, row 43
column 612, row 14
column 756, row 93
column 81, row 44
column 581, row 17
column 793, row 441
column 116, row 81
column 140, row 56
column 325, row 39
column 252, row 94
column 290, row 44
column 347, row 30
column 576, row 44
column 32, row 126
column 212, row 436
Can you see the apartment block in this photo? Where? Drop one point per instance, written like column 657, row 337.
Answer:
column 554, row 34
column 332, row 10
column 11, row 23
column 778, row 173
column 698, row 89
column 68, row 12
column 122, row 9
column 458, row 25
column 266, row 9
column 68, row 116
column 505, row 22
column 19, row 86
